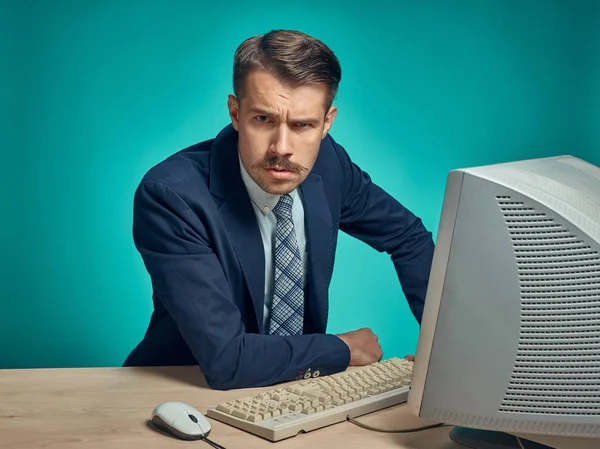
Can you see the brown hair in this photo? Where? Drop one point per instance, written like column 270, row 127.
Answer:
column 293, row 57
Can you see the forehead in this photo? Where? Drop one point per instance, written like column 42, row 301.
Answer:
column 264, row 91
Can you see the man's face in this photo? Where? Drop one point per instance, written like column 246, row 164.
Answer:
column 280, row 130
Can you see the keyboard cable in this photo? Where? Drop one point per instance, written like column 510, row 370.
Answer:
column 375, row 429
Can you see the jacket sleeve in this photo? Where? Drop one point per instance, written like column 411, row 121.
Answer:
column 188, row 279
column 376, row 218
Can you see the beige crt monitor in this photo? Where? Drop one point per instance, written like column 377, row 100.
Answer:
column 510, row 336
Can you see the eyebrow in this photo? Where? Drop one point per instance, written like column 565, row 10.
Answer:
column 295, row 119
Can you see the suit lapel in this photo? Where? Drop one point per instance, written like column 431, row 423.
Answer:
column 238, row 216
column 319, row 236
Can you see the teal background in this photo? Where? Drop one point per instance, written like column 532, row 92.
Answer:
column 94, row 93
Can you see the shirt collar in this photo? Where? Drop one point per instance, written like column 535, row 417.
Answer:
column 263, row 200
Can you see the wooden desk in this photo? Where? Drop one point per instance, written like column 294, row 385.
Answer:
column 109, row 408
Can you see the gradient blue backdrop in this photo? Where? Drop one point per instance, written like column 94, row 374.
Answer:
column 94, row 93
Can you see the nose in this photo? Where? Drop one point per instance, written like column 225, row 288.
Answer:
column 281, row 141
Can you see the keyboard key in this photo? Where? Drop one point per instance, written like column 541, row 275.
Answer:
column 281, row 412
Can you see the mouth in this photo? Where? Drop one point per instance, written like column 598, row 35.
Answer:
column 281, row 173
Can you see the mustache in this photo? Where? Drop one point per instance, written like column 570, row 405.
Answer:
column 279, row 163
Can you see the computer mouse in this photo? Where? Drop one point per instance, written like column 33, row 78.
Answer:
column 181, row 420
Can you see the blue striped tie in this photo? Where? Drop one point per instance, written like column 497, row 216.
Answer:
column 287, row 312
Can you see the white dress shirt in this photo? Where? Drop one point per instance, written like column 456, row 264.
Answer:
column 263, row 204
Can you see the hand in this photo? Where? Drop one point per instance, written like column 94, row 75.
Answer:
column 410, row 358
column 364, row 346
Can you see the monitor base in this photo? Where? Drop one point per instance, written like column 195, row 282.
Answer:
column 486, row 439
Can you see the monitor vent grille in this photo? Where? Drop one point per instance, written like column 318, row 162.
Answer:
column 516, row 424
column 557, row 368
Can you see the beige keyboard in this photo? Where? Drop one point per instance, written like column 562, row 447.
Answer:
column 310, row 404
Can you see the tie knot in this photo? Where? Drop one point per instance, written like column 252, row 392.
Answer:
column 283, row 208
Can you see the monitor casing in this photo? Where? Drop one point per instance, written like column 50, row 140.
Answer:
column 510, row 336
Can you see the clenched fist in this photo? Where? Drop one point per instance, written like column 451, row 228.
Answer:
column 364, row 346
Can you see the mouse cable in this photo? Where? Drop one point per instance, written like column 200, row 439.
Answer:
column 375, row 429
column 212, row 443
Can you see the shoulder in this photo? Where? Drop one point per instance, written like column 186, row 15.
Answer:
column 177, row 184
column 181, row 170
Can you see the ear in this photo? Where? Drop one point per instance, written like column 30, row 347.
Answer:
column 234, row 111
column 329, row 118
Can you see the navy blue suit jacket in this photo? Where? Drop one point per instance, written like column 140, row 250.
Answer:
column 197, row 233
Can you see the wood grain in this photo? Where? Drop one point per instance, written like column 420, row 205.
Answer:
column 93, row 408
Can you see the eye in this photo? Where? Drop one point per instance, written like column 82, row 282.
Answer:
column 261, row 118
column 303, row 125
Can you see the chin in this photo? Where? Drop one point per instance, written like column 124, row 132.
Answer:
column 279, row 188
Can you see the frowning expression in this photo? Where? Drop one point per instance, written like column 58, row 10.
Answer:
column 280, row 128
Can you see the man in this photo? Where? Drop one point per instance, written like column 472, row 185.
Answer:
column 238, row 233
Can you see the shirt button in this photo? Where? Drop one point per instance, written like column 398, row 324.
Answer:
column 265, row 209
column 316, row 373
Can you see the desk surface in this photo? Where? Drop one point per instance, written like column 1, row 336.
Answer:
column 111, row 407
